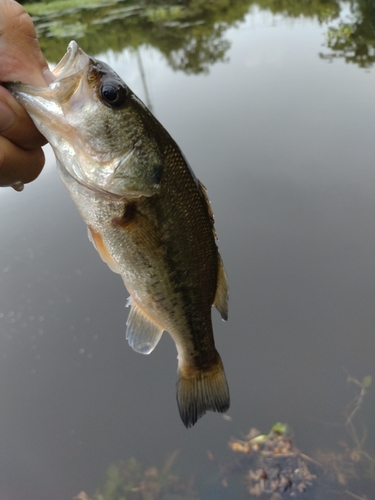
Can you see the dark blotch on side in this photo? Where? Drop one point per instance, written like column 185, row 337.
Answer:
column 128, row 216
column 156, row 172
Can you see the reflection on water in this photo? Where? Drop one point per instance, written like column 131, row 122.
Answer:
column 353, row 38
column 284, row 143
column 191, row 34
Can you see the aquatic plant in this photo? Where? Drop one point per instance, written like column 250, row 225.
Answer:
column 350, row 470
column 265, row 465
column 270, row 465
column 129, row 481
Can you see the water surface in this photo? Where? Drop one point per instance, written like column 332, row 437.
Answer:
column 280, row 128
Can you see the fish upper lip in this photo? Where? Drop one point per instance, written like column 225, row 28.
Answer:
column 67, row 61
column 70, row 63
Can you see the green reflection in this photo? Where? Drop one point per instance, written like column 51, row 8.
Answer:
column 354, row 40
column 191, row 33
column 188, row 33
column 323, row 10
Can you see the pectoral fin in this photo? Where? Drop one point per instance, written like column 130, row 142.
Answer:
column 142, row 333
column 221, row 296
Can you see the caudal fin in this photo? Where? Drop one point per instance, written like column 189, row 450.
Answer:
column 200, row 391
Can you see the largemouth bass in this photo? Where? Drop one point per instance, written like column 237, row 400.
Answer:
column 147, row 215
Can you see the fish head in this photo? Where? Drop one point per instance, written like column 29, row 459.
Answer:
column 102, row 134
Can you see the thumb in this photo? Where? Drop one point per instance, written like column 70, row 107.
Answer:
column 20, row 54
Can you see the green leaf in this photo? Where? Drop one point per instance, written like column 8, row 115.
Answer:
column 366, row 382
column 279, row 428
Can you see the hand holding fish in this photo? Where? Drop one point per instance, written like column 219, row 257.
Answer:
column 21, row 156
column 147, row 215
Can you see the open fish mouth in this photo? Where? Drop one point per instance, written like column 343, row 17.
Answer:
column 49, row 106
column 65, row 65
column 72, row 62
column 45, row 104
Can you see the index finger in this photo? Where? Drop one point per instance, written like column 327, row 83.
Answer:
column 16, row 125
column 20, row 54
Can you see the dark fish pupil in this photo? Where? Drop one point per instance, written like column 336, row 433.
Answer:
column 113, row 94
column 109, row 93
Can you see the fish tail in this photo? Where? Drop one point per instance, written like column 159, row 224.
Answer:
column 201, row 390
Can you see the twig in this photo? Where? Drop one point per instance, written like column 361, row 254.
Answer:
column 354, row 496
column 358, row 398
column 369, row 457
column 309, row 459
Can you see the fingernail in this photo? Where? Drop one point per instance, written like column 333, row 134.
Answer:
column 7, row 116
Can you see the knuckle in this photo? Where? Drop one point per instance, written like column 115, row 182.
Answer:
column 39, row 157
column 2, row 159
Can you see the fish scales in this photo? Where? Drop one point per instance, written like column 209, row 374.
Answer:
column 147, row 215
column 191, row 268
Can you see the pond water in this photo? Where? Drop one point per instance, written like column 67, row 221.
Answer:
column 274, row 108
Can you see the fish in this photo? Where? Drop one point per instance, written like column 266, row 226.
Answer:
column 147, row 215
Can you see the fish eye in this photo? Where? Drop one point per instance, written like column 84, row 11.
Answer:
column 113, row 94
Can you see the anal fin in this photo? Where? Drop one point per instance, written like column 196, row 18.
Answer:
column 221, row 296
column 142, row 333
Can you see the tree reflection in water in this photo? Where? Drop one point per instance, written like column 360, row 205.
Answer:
column 191, row 33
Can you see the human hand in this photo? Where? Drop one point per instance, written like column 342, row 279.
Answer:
column 21, row 156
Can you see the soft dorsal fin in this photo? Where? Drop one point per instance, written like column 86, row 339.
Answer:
column 142, row 333
column 221, row 295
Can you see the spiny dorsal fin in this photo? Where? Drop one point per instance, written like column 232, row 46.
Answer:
column 142, row 333
column 221, row 296
column 203, row 192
